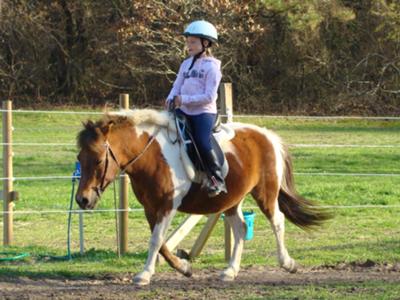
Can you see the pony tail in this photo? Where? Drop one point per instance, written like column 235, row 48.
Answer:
column 300, row 211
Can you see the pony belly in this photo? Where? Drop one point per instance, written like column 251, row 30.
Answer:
column 197, row 202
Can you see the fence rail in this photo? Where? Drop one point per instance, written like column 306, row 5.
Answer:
column 290, row 145
column 60, row 177
column 382, row 118
column 135, row 210
column 124, row 210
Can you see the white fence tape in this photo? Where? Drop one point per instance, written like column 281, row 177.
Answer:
column 75, row 211
column 295, row 173
column 385, row 118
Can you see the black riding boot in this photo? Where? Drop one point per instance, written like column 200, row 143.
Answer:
column 216, row 183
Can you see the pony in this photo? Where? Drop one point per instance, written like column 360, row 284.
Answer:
column 139, row 142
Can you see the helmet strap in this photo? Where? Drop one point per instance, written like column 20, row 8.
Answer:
column 196, row 57
column 200, row 53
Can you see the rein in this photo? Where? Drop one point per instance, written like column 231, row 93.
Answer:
column 109, row 151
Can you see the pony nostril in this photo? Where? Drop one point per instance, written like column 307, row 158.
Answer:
column 84, row 201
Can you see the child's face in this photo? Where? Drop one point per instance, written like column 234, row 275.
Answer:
column 193, row 45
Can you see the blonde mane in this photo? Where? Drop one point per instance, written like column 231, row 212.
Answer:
column 123, row 118
column 140, row 116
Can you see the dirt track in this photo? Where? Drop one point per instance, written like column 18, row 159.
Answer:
column 252, row 282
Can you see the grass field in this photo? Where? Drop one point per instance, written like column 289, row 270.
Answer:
column 354, row 235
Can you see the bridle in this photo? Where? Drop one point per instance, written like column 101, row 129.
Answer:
column 100, row 189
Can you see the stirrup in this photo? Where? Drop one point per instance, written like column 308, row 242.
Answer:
column 216, row 188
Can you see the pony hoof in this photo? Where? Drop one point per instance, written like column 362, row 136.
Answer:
column 292, row 267
column 141, row 279
column 228, row 275
column 186, row 268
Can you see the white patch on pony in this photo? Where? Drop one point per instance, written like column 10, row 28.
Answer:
column 171, row 153
column 278, row 227
column 229, row 147
column 236, row 221
column 276, row 142
column 156, row 241
column 149, row 121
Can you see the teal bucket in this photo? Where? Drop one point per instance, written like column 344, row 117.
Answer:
column 249, row 219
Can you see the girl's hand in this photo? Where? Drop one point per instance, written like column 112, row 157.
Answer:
column 166, row 104
column 178, row 101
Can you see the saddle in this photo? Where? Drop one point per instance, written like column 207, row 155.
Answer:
column 192, row 160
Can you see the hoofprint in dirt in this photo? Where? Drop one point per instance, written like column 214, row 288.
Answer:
column 253, row 282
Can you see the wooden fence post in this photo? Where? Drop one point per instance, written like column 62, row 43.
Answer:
column 8, row 203
column 204, row 235
column 123, row 194
column 226, row 104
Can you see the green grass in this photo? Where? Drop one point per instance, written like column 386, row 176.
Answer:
column 355, row 234
column 333, row 291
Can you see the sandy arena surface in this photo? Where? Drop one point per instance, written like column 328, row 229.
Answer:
column 252, row 281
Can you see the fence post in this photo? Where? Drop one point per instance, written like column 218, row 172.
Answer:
column 204, row 235
column 8, row 203
column 123, row 194
column 226, row 111
column 226, row 102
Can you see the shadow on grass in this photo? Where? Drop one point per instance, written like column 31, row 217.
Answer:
column 40, row 266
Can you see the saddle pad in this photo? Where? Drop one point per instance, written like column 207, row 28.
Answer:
column 226, row 133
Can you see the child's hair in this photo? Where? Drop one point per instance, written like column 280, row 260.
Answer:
column 208, row 52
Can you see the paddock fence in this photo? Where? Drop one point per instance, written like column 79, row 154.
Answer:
column 10, row 196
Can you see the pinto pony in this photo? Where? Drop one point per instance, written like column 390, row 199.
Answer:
column 139, row 142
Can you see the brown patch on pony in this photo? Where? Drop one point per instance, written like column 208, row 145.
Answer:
column 245, row 169
column 265, row 192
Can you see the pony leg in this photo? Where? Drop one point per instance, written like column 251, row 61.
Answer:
column 157, row 239
column 277, row 221
column 236, row 221
column 181, row 265
column 266, row 194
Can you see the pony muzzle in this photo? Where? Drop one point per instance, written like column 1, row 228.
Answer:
column 85, row 202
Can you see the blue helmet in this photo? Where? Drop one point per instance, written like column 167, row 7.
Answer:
column 202, row 29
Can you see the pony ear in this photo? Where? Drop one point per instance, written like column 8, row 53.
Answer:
column 88, row 125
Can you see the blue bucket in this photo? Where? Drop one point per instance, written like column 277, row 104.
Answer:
column 249, row 219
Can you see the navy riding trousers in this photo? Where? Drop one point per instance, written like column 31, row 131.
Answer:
column 201, row 126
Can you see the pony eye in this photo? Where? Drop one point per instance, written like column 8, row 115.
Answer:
column 98, row 162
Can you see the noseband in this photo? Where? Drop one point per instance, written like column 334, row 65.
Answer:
column 100, row 189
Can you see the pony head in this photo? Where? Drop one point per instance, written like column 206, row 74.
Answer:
column 101, row 162
column 98, row 168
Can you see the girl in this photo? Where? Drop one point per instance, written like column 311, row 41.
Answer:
column 194, row 92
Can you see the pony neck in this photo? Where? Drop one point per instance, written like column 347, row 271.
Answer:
column 130, row 145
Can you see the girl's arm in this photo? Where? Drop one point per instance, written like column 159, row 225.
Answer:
column 213, row 78
column 175, row 91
